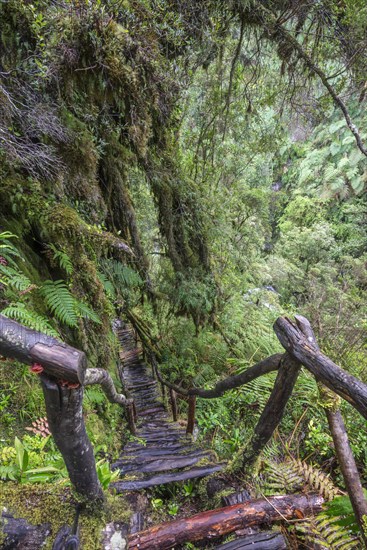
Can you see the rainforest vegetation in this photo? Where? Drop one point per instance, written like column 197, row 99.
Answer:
column 198, row 168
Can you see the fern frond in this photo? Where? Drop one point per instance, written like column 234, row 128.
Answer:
column 326, row 533
column 14, row 278
column 282, row 478
column 83, row 310
column 60, row 301
column 317, row 480
column 63, row 259
column 19, row 312
column 107, row 285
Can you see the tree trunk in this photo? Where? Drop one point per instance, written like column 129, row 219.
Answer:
column 216, row 523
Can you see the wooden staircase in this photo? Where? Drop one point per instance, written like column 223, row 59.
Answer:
column 162, row 452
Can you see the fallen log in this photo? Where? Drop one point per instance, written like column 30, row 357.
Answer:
column 29, row 346
column 303, row 348
column 222, row 521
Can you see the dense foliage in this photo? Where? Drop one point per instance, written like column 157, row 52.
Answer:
column 202, row 166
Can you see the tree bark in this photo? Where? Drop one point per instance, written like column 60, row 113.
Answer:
column 274, row 409
column 102, row 377
column 269, row 364
column 65, row 419
column 348, row 467
column 335, row 378
column 29, row 346
column 216, row 523
column 339, row 434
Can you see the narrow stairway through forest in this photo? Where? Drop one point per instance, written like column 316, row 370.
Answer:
column 162, row 452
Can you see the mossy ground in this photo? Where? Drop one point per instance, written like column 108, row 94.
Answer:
column 55, row 504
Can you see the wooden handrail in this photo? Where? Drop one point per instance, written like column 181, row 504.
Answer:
column 63, row 375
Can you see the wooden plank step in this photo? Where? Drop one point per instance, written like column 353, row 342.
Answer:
column 167, row 455
column 270, row 540
column 156, row 450
column 159, row 465
column 161, row 479
column 236, row 498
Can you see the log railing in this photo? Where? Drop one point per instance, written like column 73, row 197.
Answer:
column 301, row 350
column 63, row 373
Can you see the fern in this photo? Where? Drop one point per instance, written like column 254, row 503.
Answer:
column 83, row 310
column 107, row 285
column 13, row 278
column 60, row 301
column 292, row 475
column 326, row 533
column 317, row 480
column 282, row 478
column 121, row 275
column 19, row 312
column 63, row 259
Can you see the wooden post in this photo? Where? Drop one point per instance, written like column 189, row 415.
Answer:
column 191, row 415
column 131, row 416
column 65, row 419
column 173, row 400
column 348, row 468
column 347, row 463
column 274, row 408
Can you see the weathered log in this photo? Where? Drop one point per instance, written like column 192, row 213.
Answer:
column 326, row 371
column 102, row 377
column 29, row 346
column 269, row 364
column 161, row 479
column 274, row 408
column 66, row 423
column 18, row 534
column 348, row 467
column 222, row 521
column 339, row 434
column 259, row 541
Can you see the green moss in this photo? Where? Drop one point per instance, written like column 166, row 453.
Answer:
column 55, row 504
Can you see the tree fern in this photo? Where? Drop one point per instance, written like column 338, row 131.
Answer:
column 60, row 301
column 19, row 312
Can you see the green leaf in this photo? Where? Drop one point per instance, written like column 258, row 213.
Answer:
column 60, row 301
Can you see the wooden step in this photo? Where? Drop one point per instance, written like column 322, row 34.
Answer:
column 269, row 540
column 167, row 455
column 161, row 479
column 158, row 465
